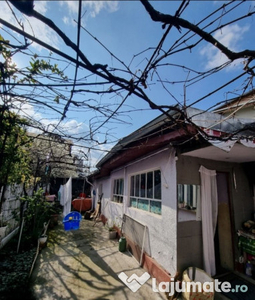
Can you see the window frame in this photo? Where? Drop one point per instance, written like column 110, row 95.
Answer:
column 188, row 196
column 118, row 190
column 148, row 197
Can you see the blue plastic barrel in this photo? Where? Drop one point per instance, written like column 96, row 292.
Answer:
column 72, row 221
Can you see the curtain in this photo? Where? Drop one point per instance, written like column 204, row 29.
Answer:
column 66, row 197
column 209, row 209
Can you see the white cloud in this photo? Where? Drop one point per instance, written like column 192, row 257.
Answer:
column 32, row 25
column 72, row 6
column 71, row 127
column 92, row 8
column 95, row 7
column 66, row 20
column 40, row 6
column 25, row 109
column 230, row 36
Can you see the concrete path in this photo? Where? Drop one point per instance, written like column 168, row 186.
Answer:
column 85, row 264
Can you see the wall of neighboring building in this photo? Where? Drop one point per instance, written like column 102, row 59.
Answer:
column 241, row 108
column 161, row 229
column 189, row 227
column 245, row 112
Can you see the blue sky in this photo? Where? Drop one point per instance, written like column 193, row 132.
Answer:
column 125, row 28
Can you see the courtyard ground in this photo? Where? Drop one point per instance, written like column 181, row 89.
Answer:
column 85, row 264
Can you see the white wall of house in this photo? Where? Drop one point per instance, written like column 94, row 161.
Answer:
column 162, row 229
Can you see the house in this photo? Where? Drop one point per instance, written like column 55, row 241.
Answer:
column 154, row 181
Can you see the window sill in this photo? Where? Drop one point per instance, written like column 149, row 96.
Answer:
column 145, row 212
column 118, row 203
column 189, row 210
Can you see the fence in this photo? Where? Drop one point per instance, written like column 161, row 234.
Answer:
column 8, row 222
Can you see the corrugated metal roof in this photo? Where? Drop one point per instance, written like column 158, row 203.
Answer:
column 214, row 121
column 138, row 134
column 202, row 119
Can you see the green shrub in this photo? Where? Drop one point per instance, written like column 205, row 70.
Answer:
column 37, row 214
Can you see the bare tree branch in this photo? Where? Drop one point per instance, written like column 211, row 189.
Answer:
column 182, row 23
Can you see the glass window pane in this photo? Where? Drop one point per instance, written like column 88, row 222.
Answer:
column 157, row 184
column 117, row 186
column 195, row 195
column 137, row 180
column 121, row 187
column 133, row 202
column 132, row 186
column 150, row 185
column 146, row 191
column 180, row 193
column 155, row 207
column 189, row 195
column 114, row 187
column 142, row 185
column 143, row 204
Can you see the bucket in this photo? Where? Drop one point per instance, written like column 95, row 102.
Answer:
column 196, row 275
column 72, row 221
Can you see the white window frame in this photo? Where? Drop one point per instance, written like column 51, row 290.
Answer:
column 117, row 190
column 142, row 194
column 186, row 201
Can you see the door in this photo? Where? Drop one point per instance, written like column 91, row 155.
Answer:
column 223, row 236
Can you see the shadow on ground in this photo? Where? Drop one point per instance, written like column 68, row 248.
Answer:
column 84, row 264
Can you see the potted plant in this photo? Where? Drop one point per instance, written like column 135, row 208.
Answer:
column 43, row 241
column 111, row 229
column 112, row 233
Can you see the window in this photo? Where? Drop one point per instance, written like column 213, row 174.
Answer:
column 145, row 191
column 118, row 188
column 188, row 196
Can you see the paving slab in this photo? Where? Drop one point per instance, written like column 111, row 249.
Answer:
column 85, row 264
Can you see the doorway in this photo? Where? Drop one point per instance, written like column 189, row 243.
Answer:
column 224, row 256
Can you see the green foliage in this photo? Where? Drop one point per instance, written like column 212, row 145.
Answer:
column 15, row 157
column 37, row 67
column 14, row 149
column 41, row 66
column 38, row 212
column 7, row 67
